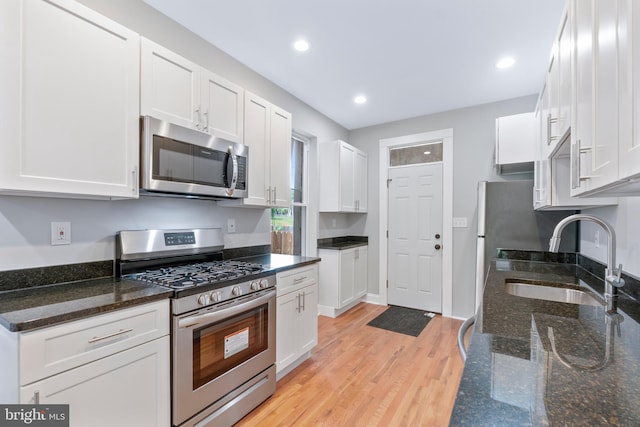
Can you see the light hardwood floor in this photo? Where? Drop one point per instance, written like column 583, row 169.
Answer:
column 364, row 376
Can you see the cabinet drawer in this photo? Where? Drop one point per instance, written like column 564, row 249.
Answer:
column 292, row 280
column 56, row 349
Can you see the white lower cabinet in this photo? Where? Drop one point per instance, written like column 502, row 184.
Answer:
column 130, row 388
column 111, row 369
column 343, row 279
column 296, row 317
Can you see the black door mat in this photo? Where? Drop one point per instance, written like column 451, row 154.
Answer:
column 403, row 320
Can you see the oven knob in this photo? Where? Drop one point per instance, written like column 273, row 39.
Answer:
column 203, row 299
column 236, row 291
column 255, row 286
column 215, row 296
column 264, row 283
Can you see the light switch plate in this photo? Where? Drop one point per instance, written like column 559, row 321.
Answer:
column 60, row 233
column 460, row 222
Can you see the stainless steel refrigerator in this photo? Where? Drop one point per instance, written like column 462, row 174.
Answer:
column 507, row 220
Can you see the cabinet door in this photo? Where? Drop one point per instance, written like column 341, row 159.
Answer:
column 286, row 329
column 257, row 132
column 308, row 319
column 360, row 183
column 360, row 271
column 605, row 148
column 551, row 104
column 222, row 106
column 347, row 275
column 347, row 185
column 130, row 388
column 170, row 86
column 564, row 77
column 582, row 111
column 280, row 157
column 76, row 130
column 629, row 89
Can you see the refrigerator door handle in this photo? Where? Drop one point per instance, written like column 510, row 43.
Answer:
column 479, row 271
column 482, row 207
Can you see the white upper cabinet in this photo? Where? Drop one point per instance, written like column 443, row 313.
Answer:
column 344, row 180
column 170, row 86
column 181, row 92
column 280, row 153
column 556, row 94
column 360, row 189
column 552, row 173
column 605, row 148
column 629, row 88
column 222, row 104
column 516, row 143
column 267, row 133
column 70, row 101
column 565, row 42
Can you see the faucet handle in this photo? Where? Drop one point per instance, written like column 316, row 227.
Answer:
column 616, row 277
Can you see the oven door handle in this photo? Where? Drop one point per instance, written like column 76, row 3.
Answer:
column 199, row 319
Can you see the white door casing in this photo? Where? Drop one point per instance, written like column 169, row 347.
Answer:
column 415, row 236
column 446, row 136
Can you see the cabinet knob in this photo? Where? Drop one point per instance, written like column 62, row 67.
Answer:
column 437, row 247
column 437, row 236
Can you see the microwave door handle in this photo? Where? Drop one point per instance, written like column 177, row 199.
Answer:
column 234, row 176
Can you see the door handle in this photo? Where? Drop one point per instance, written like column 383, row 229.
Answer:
column 437, row 247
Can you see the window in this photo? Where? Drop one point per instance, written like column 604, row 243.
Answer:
column 416, row 154
column 288, row 224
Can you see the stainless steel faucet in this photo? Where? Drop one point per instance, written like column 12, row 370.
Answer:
column 613, row 277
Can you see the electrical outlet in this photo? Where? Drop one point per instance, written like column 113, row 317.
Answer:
column 231, row 225
column 60, row 233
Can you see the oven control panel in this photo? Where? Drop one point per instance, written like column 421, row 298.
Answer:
column 214, row 296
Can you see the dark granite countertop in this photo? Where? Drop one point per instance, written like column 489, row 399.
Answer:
column 26, row 303
column 535, row 362
column 280, row 262
column 343, row 242
column 30, row 308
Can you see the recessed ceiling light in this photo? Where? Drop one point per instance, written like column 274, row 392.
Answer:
column 505, row 62
column 301, row 45
column 360, row 99
column 427, row 152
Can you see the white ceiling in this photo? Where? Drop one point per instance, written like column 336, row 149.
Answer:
column 409, row 57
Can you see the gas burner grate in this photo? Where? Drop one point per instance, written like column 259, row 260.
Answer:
column 189, row 275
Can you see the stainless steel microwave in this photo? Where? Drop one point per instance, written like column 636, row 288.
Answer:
column 180, row 161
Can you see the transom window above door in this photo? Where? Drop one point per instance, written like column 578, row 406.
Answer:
column 416, row 154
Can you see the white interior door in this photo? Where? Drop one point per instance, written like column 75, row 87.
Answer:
column 415, row 236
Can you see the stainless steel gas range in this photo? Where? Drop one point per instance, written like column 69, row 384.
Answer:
column 223, row 321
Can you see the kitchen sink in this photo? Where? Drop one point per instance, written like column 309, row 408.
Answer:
column 549, row 291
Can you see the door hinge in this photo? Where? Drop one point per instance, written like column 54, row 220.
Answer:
column 388, row 181
column 387, row 284
column 387, row 234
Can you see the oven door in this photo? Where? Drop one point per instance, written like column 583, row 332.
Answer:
column 217, row 349
column 179, row 160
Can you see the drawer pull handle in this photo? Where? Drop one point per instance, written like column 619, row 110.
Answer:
column 299, row 279
column 115, row 334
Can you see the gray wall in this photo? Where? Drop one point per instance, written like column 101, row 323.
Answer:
column 24, row 221
column 473, row 154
